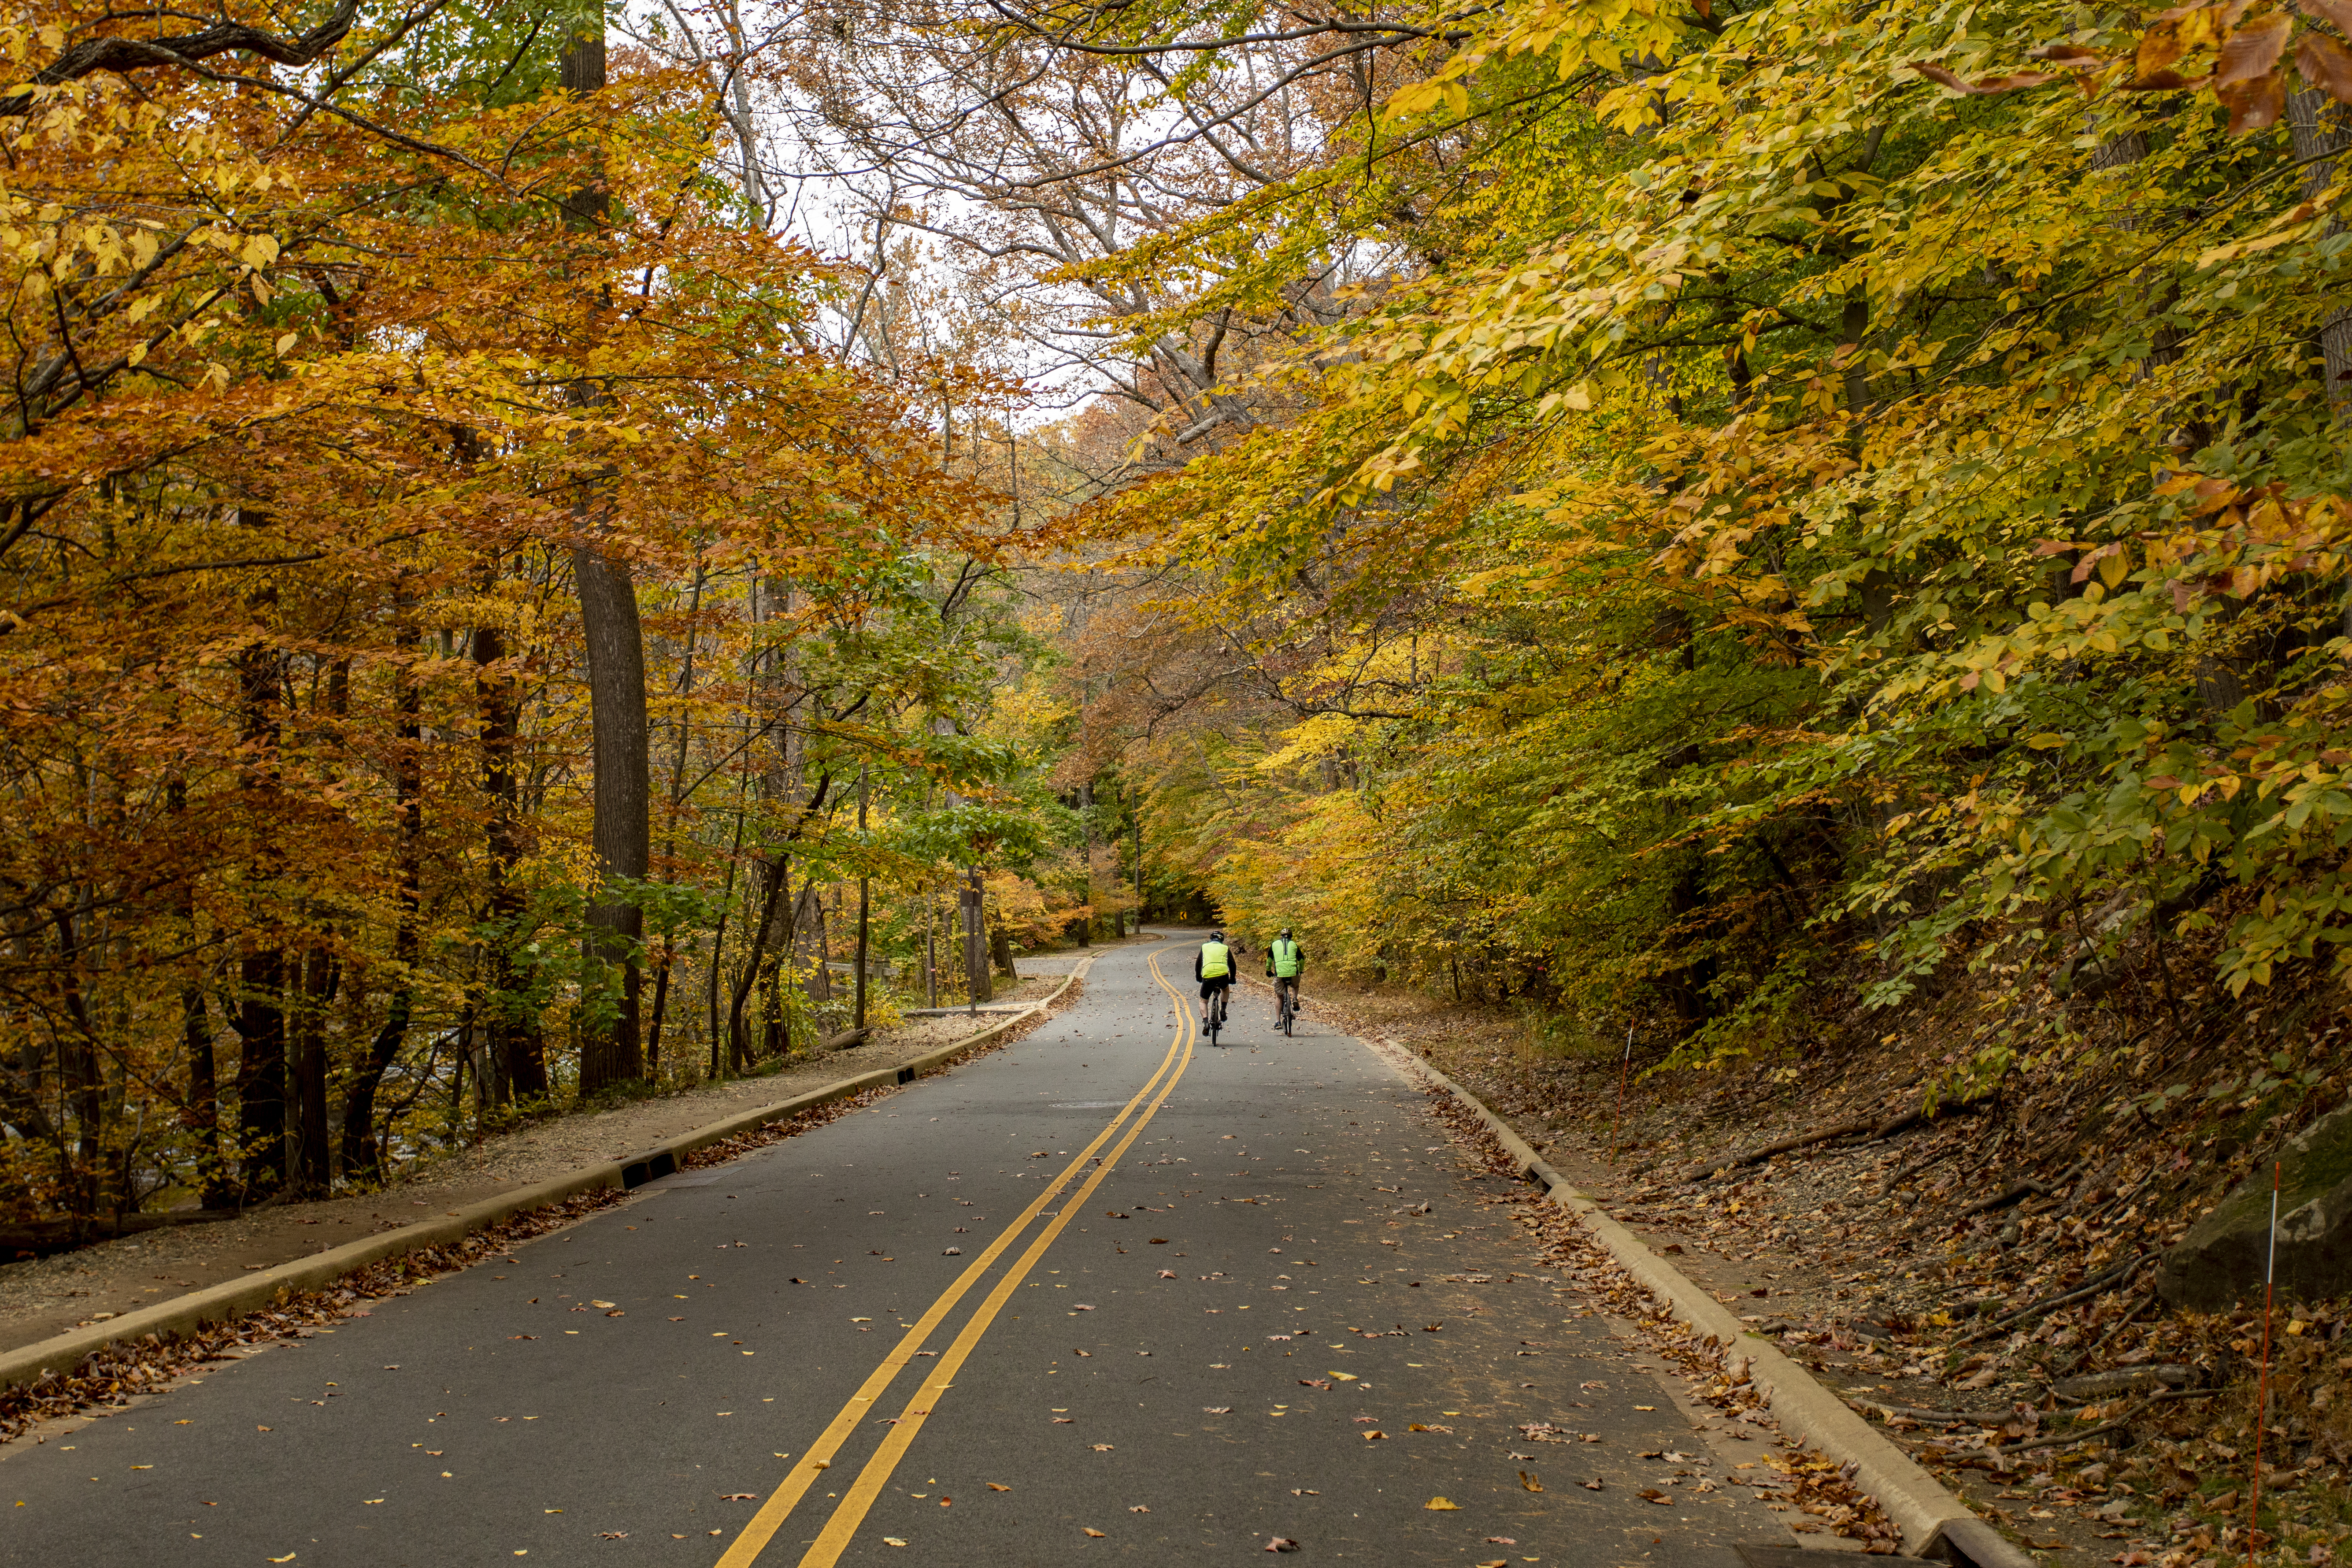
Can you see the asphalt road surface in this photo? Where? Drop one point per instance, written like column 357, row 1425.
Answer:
column 1108, row 1293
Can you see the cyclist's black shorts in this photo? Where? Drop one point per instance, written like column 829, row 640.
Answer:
column 1211, row 987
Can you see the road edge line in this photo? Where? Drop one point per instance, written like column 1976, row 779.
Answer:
column 61, row 1353
column 1935, row 1521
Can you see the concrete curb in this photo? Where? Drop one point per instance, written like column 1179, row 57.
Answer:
column 62, row 1352
column 1935, row 1523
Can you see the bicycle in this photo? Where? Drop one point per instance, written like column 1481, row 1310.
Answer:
column 1217, row 1012
column 1286, row 1001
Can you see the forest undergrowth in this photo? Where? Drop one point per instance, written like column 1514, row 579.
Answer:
column 1977, row 1278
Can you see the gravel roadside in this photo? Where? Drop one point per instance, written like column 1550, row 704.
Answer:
column 46, row 1296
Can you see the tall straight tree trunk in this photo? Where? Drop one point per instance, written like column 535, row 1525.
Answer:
column 2316, row 131
column 512, row 1023
column 622, row 836
column 261, row 1070
column 669, row 832
column 622, row 840
column 362, row 1151
column 321, row 977
column 261, row 968
column 858, row 1018
column 202, row 1115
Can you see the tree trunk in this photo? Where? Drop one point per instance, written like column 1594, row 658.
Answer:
column 363, row 1150
column 261, row 1071
column 739, row 1040
column 622, row 836
column 2314, row 131
column 857, row 1019
column 321, row 977
column 511, row 1019
column 203, row 1114
column 262, row 969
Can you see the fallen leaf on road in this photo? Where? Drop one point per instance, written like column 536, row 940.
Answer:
column 1216, row 1410
column 952, row 1252
column 1066, row 1420
column 1168, row 1274
column 1282, row 1543
column 1139, row 1508
column 1440, row 1505
column 611, row 1535
column 1530, row 1480
column 1417, row 1426
column 1305, row 1491
column 1652, row 1494
column 601, row 1303
column 1593, row 1486
column 1102, row 1447
column 1037, row 1154
column 261, row 1428
column 887, row 1541
column 1343, row 1376
column 1313, row 1383
column 1502, row 1540
column 1090, row 1530
column 998, row 1486
column 288, row 1558
column 1084, row 1307
column 1163, row 1241
column 738, row 1497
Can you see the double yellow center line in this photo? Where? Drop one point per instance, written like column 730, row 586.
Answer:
column 851, row 1512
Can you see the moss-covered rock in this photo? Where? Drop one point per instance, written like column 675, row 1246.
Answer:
column 2220, row 1262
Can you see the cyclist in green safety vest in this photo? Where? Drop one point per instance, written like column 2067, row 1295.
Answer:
column 1213, row 966
column 1285, row 960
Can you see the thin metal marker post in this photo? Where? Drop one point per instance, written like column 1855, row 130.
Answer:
column 2263, row 1400
column 1624, row 1070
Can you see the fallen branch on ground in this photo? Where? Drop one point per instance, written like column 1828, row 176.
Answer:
column 1707, row 1169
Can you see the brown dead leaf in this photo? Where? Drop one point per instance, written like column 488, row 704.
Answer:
column 998, row 1486
column 2254, row 105
column 2252, row 51
column 1098, row 1534
column 1374, row 1437
column 1530, row 1480
column 1282, row 1543
column 2337, row 11
column 1441, row 1505
column 739, row 1497
column 2325, row 63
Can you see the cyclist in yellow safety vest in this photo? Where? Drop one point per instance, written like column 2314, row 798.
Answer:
column 1285, row 960
column 1213, row 966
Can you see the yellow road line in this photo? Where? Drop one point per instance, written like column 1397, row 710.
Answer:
column 814, row 1463
column 836, row 1537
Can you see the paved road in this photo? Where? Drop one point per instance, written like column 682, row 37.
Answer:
column 1108, row 1292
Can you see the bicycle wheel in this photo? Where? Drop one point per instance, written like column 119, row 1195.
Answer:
column 1289, row 1009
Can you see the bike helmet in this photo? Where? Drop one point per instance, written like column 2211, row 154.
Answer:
column 1216, row 936
column 1286, row 933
